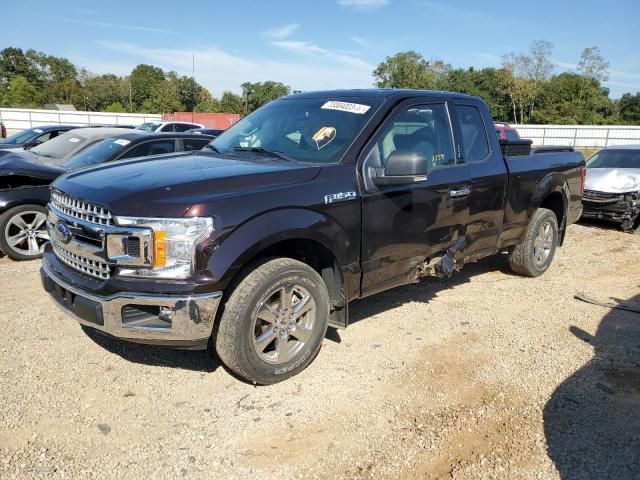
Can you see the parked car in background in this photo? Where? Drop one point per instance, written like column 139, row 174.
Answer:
column 24, row 181
column 206, row 131
column 3, row 130
column 506, row 131
column 168, row 126
column 612, row 187
column 33, row 137
column 257, row 243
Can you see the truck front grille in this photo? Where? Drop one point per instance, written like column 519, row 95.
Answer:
column 90, row 267
column 76, row 208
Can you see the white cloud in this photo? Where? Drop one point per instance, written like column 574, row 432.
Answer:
column 138, row 28
column 311, row 49
column 310, row 68
column 363, row 42
column 363, row 4
column 281, row 33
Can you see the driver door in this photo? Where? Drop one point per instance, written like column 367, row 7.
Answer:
column 402, row 225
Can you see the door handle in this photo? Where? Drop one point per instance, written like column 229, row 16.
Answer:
column 459, row 192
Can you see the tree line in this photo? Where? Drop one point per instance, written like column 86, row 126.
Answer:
column 34, row 79
column 524, row 89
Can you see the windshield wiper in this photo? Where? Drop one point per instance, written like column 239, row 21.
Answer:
column 275, row 153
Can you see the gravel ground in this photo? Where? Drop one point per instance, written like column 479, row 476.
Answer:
column 486, row 375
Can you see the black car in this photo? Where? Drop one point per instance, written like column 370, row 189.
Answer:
column 206, row 131
column 34, row 136
column 25, row 179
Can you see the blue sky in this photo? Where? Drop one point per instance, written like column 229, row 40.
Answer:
column 321, row 43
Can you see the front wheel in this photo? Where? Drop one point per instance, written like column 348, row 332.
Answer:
column 274, row 321
column 23, row 232
column 534, row 255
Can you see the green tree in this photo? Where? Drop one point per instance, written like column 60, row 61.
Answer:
column 592, row 67
column 66, row 91
column 115, row 107
column 629, row 108
column 410, row 70
column 22, row 94
column 189, row 92
column 523, row 77
column 258, row 94
column 481, row 83
column 14, row 62
column 99, row 91
column 163, row 98
column 561, row 102
column 209, row 106
column 143, row 80
column 231, row 103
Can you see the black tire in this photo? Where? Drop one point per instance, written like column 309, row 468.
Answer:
column 241, row 324
column 7, row 227
column 523, row 259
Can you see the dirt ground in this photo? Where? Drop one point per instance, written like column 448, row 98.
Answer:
column 485, row 375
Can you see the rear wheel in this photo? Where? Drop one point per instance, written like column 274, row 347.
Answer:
column 274, row 321
column 534, row 255
column 23, row 232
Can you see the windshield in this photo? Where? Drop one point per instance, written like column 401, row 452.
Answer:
column 59, row 147
column 304, row 129
column 615, row 159
column 97, row 153
column 22, row 136
column 149, row 127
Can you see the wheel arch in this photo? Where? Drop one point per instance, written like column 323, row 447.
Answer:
column 553, row 194
column 300, row 234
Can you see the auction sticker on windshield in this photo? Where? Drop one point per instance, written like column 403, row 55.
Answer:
column 346, row 107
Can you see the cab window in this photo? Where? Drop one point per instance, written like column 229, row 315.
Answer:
column 424, row 129
column 474, row 134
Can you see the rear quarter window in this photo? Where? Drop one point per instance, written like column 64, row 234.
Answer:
column 474, row 134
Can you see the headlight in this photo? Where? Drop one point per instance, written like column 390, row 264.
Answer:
column 174, row 245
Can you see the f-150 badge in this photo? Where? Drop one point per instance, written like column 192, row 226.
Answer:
column 339, row 197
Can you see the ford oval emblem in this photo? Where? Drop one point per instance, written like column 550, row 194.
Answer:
column 63, row 232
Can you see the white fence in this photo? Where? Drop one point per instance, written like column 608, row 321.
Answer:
column 579, row 135
column 21, row 118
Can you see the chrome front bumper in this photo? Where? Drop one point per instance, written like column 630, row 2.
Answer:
column 188, row 320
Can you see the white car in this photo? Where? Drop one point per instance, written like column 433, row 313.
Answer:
column 168, row 126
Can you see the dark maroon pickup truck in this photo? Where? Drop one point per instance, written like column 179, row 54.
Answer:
column 256, row 244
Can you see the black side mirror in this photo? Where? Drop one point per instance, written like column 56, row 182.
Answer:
column 29, row 145
column 403, row 168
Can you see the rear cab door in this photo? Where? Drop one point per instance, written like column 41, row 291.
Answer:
column 404, row 225
column 480, row 151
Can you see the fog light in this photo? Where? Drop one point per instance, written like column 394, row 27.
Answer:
column 165, row 314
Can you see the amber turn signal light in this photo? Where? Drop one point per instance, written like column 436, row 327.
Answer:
column 159, row 248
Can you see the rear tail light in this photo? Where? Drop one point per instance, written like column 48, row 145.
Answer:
column 583, row 176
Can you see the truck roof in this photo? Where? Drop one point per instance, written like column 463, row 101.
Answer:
column 380, row 93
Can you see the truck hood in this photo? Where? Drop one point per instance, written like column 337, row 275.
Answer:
column 27, row 164
column 168, row 186
column 613, row 180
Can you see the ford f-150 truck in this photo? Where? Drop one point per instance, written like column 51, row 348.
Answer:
column 256, row 244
